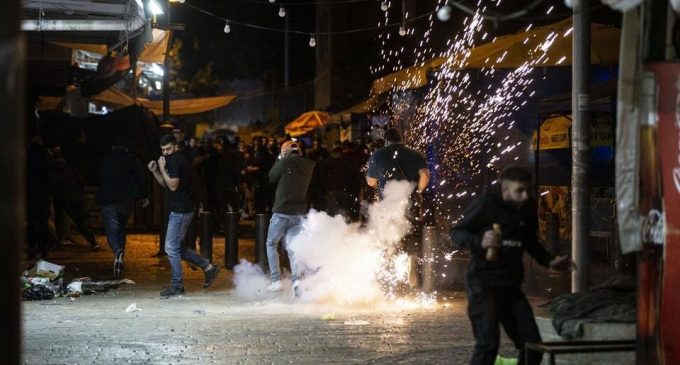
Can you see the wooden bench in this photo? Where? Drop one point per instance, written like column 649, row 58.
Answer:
column 554, row 348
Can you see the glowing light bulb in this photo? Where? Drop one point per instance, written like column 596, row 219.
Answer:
column 282, row 12
column 227, row 27
column 155, row 8
column 402, row 31
column 272, row 1
column 312, row 41
column 383, row 6
column 444, row 13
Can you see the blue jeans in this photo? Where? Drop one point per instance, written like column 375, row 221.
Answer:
column 280, row 226
column 115, row 218
column 178, row 224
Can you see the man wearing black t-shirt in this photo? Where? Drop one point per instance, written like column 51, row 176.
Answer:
column 395, row 161
column 173, row 172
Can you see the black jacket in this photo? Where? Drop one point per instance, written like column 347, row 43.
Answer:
column 293, row 175
column 121, row 178
column 519, row 234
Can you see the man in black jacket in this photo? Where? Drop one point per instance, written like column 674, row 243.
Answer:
column 494, row 285
column 293, row 173
column 121, row 183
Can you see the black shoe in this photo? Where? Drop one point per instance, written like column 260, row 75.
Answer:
column 171, row 292
column 211, row 275
column 160, row 253
column 118, row 264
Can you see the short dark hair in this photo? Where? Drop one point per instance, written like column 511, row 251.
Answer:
column 516, row 173
column 392, row 135
column 168, row 139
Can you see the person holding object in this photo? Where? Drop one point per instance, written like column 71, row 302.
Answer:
column 505, row 222
column 293, row 174
column 172, row 171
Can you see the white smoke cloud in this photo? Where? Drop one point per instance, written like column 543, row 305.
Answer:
column 341, row 262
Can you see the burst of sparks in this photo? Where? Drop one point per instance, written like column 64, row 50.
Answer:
column 465, row 125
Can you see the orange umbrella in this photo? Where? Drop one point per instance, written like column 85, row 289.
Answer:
column 307, row 122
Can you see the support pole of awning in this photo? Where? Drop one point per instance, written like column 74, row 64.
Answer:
column 580, row 146
column 65, row 25
column 13, row 162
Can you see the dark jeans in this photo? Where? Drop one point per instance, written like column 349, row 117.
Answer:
column 178, row 224
column 262, row 199
column 115, row 218
column 37, row 230
column 510, row 308
column 75, row 209
column 338, row 202
column 230, row 200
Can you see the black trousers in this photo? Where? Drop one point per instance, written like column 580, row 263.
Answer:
column 509, row 308
column 75, row 208
column 37, row 230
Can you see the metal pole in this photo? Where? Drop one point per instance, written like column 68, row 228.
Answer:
column 261, row 228
column 231, row 240
column 580, row 145
column 166, row 72
column 12, row 211
column 164, row 224
column 553, row 221
column 429, row 248
column 207, row 223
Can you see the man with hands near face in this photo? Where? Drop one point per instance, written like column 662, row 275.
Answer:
column 173, row 172
column 494, row 282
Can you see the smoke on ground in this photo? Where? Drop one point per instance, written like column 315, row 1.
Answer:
column 343, row 263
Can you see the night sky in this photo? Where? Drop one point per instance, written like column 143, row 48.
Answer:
column 247, row 53
column 244, row 53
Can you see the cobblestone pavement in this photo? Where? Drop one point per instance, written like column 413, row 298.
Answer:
column 213, row 326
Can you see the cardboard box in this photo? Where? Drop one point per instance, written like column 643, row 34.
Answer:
column 47, row 270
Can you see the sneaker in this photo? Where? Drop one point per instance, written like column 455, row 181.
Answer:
column 295, row 289
column 171, row 292
column 211, row 275
column 275, row 286
column 160, row 253
column 118, row 264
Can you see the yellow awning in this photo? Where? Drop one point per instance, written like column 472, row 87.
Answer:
column 154, row 52
column 188, row 106
column 512, row 51
column 363, row 107
column 307, row 122
column 116, row 99
column 604, row 47
column 409, row 78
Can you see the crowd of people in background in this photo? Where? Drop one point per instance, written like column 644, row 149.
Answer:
column 55, row 188
column 229, row 174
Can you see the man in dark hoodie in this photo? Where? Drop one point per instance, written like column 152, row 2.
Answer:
column 293, row 173
column 336, row 177
column 69, row 197
column 505, row 223
column 121, row 183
